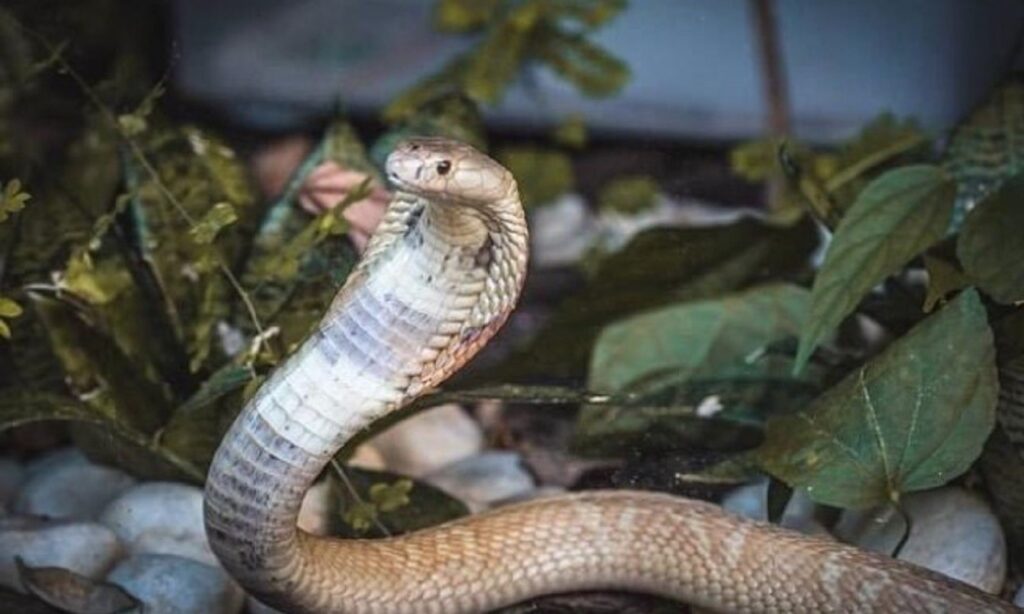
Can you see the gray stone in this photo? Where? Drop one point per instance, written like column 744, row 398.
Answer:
column 954, row 533
column 85, row 548
column 751, row 500
column 66, row 485
column 168, row 584
column 429, row 440
column 161, row 518
column 484, row 479
column 1019, row 599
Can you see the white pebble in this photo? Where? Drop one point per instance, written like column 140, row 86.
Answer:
column 85, row 548
column 66, row 485
column 954, row 533
column 484, row 479
column 429, row 440
column 167, row 584
column 161, row 518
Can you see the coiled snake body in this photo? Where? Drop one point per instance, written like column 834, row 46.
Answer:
column 438, row 279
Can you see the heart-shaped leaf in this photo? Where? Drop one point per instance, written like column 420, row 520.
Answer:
column 914, row 417
column 991, row 245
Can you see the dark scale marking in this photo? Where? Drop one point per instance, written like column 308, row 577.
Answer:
column 357, row 343
column 485, row 253
column 403, row 333
column 327, row 347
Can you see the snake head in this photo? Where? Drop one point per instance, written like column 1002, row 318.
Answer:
column 445, row 170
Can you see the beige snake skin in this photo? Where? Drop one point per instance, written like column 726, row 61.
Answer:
column 439, row 278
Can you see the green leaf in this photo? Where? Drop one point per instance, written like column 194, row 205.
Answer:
column 464, row 15
column 913, row 418
column 592, row 69
column 542, row 174
column 12, row 199
column 988, row 147
column 5, row 330
column 205, row 231
column 658, row 267
column 897, row 216
column 991, row 245
column 696, row 338
column 944, row 278
column 571, row 132
column 387, row 500
column 631, row 194
column 8, row 308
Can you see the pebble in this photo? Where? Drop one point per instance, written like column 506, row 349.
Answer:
column 562, row 231
column 751, row 501
column 65, row 485
column 161, row 518
column 484, row 479
column 429, row 440
column 317, row 508
column 86, row 548
column 168, row 584
column 954, row 533
column 12, row 473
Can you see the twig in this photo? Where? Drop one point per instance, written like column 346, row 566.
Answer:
column 772, row 67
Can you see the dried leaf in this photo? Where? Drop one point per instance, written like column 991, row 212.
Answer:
column 74, row 593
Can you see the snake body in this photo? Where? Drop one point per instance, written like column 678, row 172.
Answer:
column 438, row 279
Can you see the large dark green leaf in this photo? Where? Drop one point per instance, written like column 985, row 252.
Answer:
column 659, row 267
column 914, row 417
column 896, row 217
column 991, row 245
column 698, row 338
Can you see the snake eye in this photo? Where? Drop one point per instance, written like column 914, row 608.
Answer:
column 443, row 167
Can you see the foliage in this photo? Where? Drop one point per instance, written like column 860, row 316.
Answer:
column 630, row 194
column 912, row 418
column 515, row 34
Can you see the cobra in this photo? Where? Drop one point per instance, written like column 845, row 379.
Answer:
column 438, row 278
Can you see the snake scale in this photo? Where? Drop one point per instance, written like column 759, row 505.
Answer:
column 438, row 279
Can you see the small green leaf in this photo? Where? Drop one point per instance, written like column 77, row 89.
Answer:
column 5, row 330
column 571, row 132
column 991, row 245
column 913, row 418
column 897, row 216
column 382, row 499
column 390, row 497
column 631, row 194
column 219, row 216
column 12, row 199
column 8, row 308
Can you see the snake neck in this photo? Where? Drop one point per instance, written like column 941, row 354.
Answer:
column 433, row 289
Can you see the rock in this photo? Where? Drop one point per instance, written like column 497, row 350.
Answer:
column 1019, row 599
column 85, row 548
column 484, row 479
column 317, row 506
column 954, row 533
column 11, row 476
column 429, row 440
column 168, row 584
column 161, row 518
column 751, row 500
column 366, row 456
column 562, row 231
column 66, row 485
